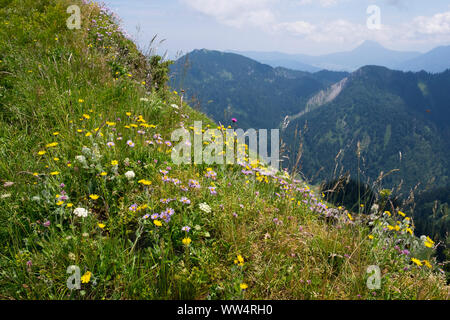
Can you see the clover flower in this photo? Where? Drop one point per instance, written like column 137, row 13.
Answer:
column 130, row 175
column 205, row 207
column 80, row 212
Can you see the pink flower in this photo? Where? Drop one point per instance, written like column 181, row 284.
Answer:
column 234, row 120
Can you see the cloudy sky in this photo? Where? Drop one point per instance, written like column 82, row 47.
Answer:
column 291, row 26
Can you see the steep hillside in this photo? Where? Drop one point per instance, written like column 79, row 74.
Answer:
column 229, row 86
column 89, row 191
column 399, row 119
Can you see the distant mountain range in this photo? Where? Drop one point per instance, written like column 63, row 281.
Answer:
column 368, row 53
column 397, row 120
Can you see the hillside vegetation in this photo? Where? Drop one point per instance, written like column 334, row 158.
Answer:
column 87, row 180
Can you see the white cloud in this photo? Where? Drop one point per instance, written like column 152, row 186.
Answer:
column 236, row 13
column 436, row 25
column 296, row 27
column 322, row 3
column 263, row 14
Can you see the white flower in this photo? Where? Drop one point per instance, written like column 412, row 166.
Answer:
column 81, row 159
column 174, row 106
column 86, row 151
column 80, row 212
column 205, row 207
column 130, row 175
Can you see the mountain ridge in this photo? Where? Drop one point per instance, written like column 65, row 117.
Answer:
column 367, row 53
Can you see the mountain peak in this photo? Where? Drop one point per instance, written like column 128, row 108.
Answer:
column 369, row 44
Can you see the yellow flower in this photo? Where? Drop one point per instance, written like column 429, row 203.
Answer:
column 371, row 236
column 59, row 203
column 128, row 113
column 86, row 116
column 69, row 205
column 80, row 100
column 42, row 152
column 429, row 243
column 54, row 173
column 350, row 216
column 101, row 225
column 243, row 286
column 428, row 264
column 409, row 231
column 55, row 133
column 35, row 174
column 114, row 163
column 50, row 145
column 85, row 278
column 103, row 174
column 56, row 159
column 88, row 134
column 93, row 196
column 388, row 213
column 416, row 261
column 239, row 260
column 145, row 182
column 157, row 223
column 186, row 241
column 402, row 214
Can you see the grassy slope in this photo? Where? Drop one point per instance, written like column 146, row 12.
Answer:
column 60, row 85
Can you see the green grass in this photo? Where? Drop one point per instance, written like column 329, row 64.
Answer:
column 66, row 86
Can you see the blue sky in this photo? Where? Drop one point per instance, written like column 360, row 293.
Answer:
column 291, row 26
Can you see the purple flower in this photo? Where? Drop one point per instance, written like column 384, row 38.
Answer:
column 185, row 200
column 194, row 184
column 212, row 190
column 46, row 224
column 186, row 228
column 154, row 216
column 133, row 207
